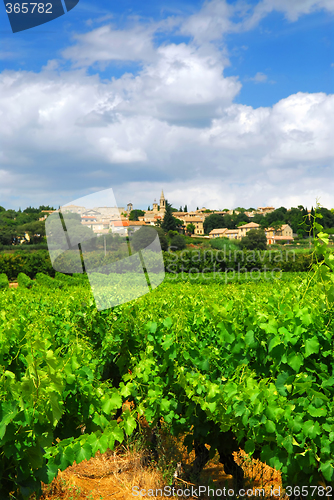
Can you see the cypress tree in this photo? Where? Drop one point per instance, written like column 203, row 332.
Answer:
column 168, row 224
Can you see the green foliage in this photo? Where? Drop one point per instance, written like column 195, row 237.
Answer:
column 143, row 237
column 29, row 263
column 4, row 283
column 177, row 242
column 253, row 359
column 169, row 222
column 224, row 243
column 255, row 239
column 24, row 281
column 214, row 221
column 191, row 228
column 134, row 214
column 51, row 387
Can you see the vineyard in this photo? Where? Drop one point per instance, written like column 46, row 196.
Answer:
column 239, row 364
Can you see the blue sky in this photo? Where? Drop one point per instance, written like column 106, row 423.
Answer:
column 220, row 103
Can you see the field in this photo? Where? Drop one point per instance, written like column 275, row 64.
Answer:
column 222, row 365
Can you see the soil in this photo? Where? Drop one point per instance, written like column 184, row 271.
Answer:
column 112, row 475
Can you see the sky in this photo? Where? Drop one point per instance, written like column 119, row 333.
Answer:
column 219, row 103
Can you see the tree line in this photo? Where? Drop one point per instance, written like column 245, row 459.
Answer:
column 19, row 225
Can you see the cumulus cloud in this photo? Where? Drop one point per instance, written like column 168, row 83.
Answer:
column 67, row 132
column 106, row 44
column 293, row 10
column 218, row 18
column 174, row 124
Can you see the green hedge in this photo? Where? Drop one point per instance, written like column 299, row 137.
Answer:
column 188, row 260
column 24, row 281
column 194, row 261
column 27, row 263
column 4, row 281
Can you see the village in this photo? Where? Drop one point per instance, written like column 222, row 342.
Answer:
column 116, row 220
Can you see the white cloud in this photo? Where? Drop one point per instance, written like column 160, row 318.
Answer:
column 65, row 133
column 293, row 10
column 217, row 17
column 106, row 44
column 259, row 78
column 173, row 125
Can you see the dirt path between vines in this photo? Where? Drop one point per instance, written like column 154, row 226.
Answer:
column 113, row 475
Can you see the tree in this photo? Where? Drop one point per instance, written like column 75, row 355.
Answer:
column 185, row 208
column 255, row 239
column 168, row 224
column 179, row 223
column 277, row 225
column 134, row 214
column 191, row 228
column 35, row 230
column 241, row 217
column 180, row 209
column 178, row 242
column 45, row 207
column 31, row 210
column 214, row 221
column 143, row 237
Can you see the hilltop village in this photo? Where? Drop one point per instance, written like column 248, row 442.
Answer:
column 103, row 220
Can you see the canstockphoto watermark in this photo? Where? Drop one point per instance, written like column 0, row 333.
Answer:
column 227, row 255
column 229, row 274
column 197, row 491
column 122, row 261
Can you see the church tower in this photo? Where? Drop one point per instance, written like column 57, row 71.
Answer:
column 162, row 202
column 155, row 206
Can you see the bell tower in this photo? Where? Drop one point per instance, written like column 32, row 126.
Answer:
column 162, row 202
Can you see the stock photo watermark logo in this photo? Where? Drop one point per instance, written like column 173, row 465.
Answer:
column 122, row 259
column 24, row 15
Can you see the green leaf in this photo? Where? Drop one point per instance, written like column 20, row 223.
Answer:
column 130, row 424
column 35, row 457
column 280, row 381
column 270, row 426
column 111, row 402
column 115, row 430
column 249, row 446
column 167, row 322
column 56, row 410
column 152, row 327
column 52, row 361
column 164, row 404
column 273, row 343
column 327, row 470
column 211, row 406
column 204, row 365
column 311, row 346
column 84, row 453
column 317, row 412
column 250, row 339
column 295, row 361
column 287, row 443
column 311, row 429
column 103, row 443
